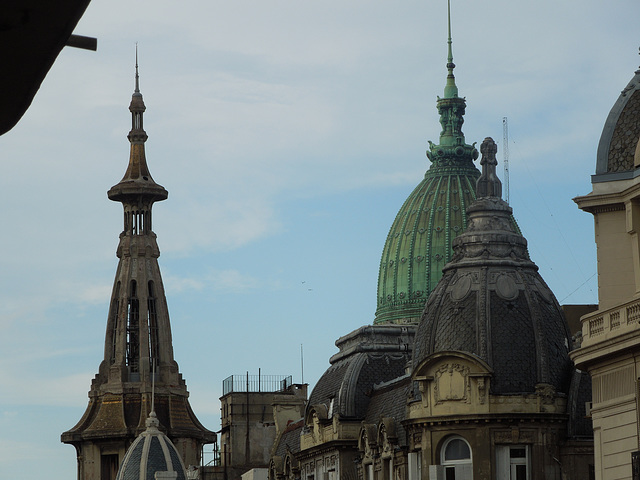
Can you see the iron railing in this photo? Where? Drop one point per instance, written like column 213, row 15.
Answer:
column 256, row 383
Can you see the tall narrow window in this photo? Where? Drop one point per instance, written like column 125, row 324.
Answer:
column 387, row 469
column 415, row 466
column 115, row 306
column 133, row 329
column 152, row 321
column 512, row 462
column 108, row 466
column 127, row 222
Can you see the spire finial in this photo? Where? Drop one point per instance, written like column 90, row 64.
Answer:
column 152, row 422
column 137, row 90
column 450, row 89
column 153, row 385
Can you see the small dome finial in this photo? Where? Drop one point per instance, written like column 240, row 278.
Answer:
column 489, row 185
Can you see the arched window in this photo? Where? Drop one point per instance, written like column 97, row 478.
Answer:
column 455, row 457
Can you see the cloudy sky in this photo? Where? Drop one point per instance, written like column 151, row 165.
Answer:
column 287, row 133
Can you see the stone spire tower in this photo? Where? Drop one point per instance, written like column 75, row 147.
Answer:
column 138, row 338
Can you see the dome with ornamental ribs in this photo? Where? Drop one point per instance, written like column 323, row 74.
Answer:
column 419, row 242
column 152, row 456
column 492, row 303
column 619, row 148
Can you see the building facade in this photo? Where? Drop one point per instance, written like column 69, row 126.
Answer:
column 496, row 395
column 610, row 349
column 255, row 410
column 485, row 388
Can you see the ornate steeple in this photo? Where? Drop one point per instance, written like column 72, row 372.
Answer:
column 419, row 242
column 138, row 338
column 450, row 89
column 452, row 149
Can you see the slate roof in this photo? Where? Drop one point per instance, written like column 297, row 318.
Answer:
column 368, row 356
column 290, row 439
column 390, row 400
column 620, row 135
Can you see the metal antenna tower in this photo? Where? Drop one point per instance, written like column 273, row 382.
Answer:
column 505, row 156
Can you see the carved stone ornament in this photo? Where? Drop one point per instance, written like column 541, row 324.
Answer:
column 452, row 383
column 460, row 288
column 514, row 436
column 506, row 287
column 546, row 393
column 482, row 390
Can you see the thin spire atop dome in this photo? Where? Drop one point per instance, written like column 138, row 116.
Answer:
column 450, row 89
column 137, row 88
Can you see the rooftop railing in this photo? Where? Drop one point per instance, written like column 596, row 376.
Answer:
column 256, row 383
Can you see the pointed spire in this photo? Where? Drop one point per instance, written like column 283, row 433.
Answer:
column 452, row 149
column 137, row 108
column 450, row 89
column 489, row 185
column 137, row 89
column 137, row 179
column 152, row 423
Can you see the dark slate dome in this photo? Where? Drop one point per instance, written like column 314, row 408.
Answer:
column 619, row 140
column 151, row 452
column 367, row 356
column 492, row 303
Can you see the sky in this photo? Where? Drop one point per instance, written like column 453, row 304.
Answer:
column 288, row 134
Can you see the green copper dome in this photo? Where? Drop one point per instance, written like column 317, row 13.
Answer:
column 419, row 243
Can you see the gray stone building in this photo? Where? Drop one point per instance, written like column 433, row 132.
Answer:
column 486, row 388
column 255, row 410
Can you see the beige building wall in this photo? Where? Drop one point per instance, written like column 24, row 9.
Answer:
column 610, row 344
column 616, row 282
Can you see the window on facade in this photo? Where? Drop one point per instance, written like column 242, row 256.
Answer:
column 108, row 466
column 387, row 469
column 455, row 458
column 133, row 329
column 415, row 466
column 152, row 323
column 512, row 462
column 115, row 306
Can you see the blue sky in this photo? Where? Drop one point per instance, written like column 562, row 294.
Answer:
column 288, row 135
